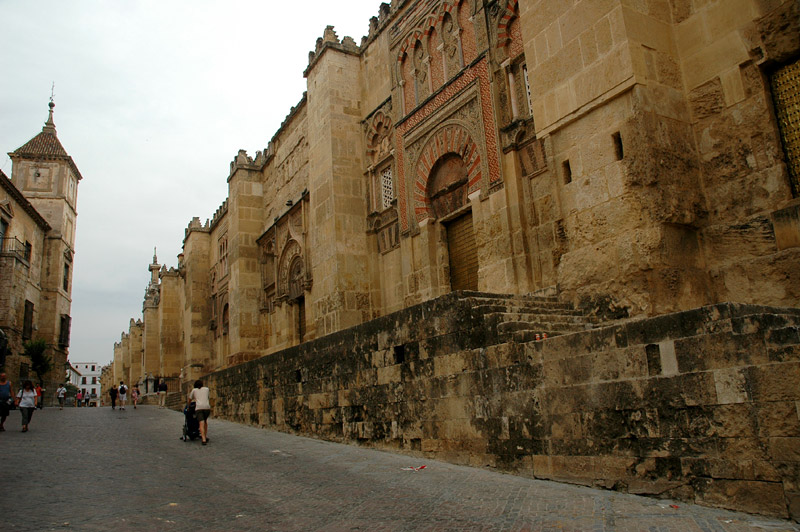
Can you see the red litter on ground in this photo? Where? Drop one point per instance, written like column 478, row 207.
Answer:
column 412, row 468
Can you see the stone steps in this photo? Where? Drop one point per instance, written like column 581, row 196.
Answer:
column 538, row 317
column 520, row 318
column 532, row 309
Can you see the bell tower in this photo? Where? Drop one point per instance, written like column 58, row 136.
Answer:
column 48, row 178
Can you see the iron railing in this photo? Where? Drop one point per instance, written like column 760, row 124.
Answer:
column 13, row 246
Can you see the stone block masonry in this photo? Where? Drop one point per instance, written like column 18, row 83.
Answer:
column 701, row 405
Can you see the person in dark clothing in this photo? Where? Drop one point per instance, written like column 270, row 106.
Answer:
column 112, row 393
column 162, row 393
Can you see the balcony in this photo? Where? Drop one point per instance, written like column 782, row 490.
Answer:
column 13, row 247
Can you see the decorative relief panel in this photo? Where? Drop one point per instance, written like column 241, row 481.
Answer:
column 378, row 133
column 431, row 199
column 284, row 253
column 471, row 85
column 383, row 219
column 384, row 225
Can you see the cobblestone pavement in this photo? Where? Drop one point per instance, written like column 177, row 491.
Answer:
column 93, row 469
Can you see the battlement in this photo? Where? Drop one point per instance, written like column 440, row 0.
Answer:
column 219, row 213
column 195, row 225
column 329, row 39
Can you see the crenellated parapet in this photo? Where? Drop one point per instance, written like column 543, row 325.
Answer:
column 329, row 39
column 377, row 24
column 196, row 226
column 242, row 161
column 219, row 213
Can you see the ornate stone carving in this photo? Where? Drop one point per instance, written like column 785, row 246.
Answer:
column 282, row 245
column 385, row 226
column 379, row 133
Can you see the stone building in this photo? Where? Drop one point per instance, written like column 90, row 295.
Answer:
column 37, row 228
column 626, row 159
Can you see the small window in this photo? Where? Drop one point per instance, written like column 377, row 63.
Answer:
column 27, row 322
column 28, row 251
column 527, row 88
column 618, row 151
column 83, row 380
column 399, row 354
column 567, row 171
column 66, row 277
column 63, row 336
column 223, row 256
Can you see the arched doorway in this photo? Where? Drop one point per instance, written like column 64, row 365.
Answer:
column 447, row 192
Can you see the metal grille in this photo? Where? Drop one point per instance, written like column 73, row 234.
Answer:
column 785, row 84
column 387, row 188
column 463, row 254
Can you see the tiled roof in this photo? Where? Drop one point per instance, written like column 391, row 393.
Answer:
column 46, row 145
column 43, row 144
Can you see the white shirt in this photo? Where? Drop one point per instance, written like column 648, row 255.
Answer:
column 27, row 398
column 61, row 392
column 200, row 398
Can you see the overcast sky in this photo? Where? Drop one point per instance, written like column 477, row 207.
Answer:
column 153, row 100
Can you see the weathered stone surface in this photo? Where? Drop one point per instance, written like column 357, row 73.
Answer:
column 708, row 422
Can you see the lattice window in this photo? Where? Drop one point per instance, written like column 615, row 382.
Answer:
column 786, row 93
column 387, row 187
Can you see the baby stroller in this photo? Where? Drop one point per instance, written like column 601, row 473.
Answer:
column 191, row 427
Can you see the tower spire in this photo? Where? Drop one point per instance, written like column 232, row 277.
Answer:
column 50, row 126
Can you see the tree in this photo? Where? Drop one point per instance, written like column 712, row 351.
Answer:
column 41, row 364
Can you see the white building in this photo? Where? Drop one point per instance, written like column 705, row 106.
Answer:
column 89, row 380
column 73, row 375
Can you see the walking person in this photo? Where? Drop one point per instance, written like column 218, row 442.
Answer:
column 61, row 393
column 202, row 407
column 26, row 401
column 112, row 393
column 162, row 393
column 79, row 398
column 39, row 396
column 135, row 395
column 123, row 395
column 6, row 397
column 86, row 397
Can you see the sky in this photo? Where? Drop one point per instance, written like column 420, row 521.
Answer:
column 154, row 98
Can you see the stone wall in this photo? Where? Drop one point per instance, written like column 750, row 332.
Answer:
column 700, row 405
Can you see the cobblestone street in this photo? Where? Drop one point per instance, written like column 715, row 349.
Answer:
column 96, row 469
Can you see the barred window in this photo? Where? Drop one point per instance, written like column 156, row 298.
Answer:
column 785, row 84
column 387, row 187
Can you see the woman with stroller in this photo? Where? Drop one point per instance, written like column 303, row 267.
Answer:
column 202, row 408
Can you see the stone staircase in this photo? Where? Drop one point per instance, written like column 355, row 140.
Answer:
column 520, row 318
